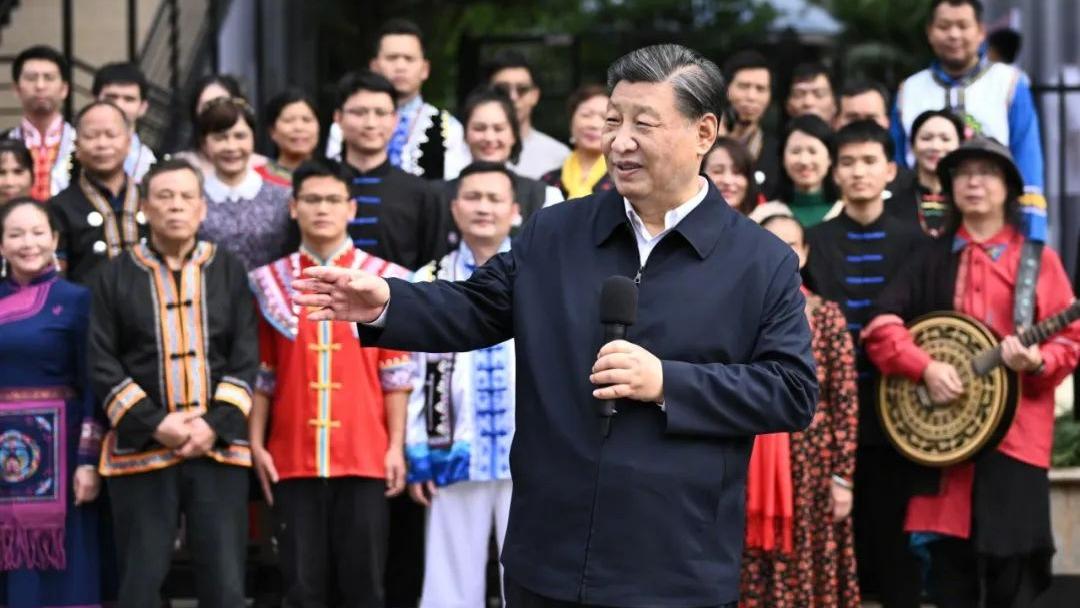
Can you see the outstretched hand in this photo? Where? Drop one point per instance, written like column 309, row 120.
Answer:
column 341, row 294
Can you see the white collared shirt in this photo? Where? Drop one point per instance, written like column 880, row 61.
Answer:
column 218, row 191
column 646, row 242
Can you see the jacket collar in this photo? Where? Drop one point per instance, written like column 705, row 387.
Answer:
column 701, row 228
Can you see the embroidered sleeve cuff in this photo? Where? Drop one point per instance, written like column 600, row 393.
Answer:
column 419, row 461
column 266, row 380
column 121, row 399
column 235, row 392
column 90, row 436
column 397, row 374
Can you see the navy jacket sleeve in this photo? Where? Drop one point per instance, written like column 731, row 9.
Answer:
column 452, row 316
column 775, row 391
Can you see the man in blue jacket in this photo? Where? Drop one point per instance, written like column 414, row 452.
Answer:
column 651, row 515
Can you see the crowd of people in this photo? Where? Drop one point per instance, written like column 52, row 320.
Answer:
column 149, row 337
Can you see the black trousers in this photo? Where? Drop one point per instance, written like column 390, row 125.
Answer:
column 520, row 597
column 146, row 511
column 332, row 538
column 405, row 561
column 887, row 567
column 961, row 578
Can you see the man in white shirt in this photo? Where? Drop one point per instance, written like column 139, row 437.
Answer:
column 511, row 73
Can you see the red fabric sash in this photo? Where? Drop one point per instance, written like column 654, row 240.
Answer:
column 770, row 508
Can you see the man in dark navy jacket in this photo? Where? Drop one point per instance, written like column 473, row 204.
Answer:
column 651, row 515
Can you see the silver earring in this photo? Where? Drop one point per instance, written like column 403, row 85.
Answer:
column 56, row 262
column 3, row 267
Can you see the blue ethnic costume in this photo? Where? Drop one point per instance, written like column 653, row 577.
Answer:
column 461, row 424
column 49, row 425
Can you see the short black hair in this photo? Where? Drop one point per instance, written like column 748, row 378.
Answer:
column 747, row 59
column 399, row 27
column 484, row 166
column 119, row 73
column 18, row 150
column 98, row 103
column 1007, row 42
column 278, row 102
column 487, row 94
column 816, row 127
column 167, row 164
column 976, row 5
column 316, row 168
column 507, row 59
column 25, row 201
column 859, row 86
column 45, row 53
column 226, row 81
column 809, row 70
column 363, row 80
column 945, row 113
column 864, row 132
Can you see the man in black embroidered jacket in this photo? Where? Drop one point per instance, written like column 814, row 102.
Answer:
column 174, row 351
column 98, row 213
column 853, row 258
column 399, row 216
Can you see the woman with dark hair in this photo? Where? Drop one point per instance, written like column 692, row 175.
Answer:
column 805, row 185
column 492, row 134
column 731, row 169
column 934, row 134
column 800, row 547
column 986, row 522
column 209, row 88
column 16, row 170
column 246, row 214
column 50, row 425
column 293, row 126
column 584, row 171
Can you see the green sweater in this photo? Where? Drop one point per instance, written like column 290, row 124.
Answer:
column 810, row 207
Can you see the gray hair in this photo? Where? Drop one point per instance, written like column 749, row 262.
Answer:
column 698, row 82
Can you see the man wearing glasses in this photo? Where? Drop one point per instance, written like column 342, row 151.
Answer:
column 399, row 217
column 334, row 449
column 511, row 73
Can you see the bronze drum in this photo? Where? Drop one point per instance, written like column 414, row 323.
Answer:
column 939, row 435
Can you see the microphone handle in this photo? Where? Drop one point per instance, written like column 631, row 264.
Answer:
column 612, row 331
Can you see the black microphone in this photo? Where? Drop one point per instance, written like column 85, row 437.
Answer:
column 618, row 310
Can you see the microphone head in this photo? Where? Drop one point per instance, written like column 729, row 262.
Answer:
column 618, row 300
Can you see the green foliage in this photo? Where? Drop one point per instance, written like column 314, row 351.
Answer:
column 1066, row 442
column 883, row 39
column 605, row 28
